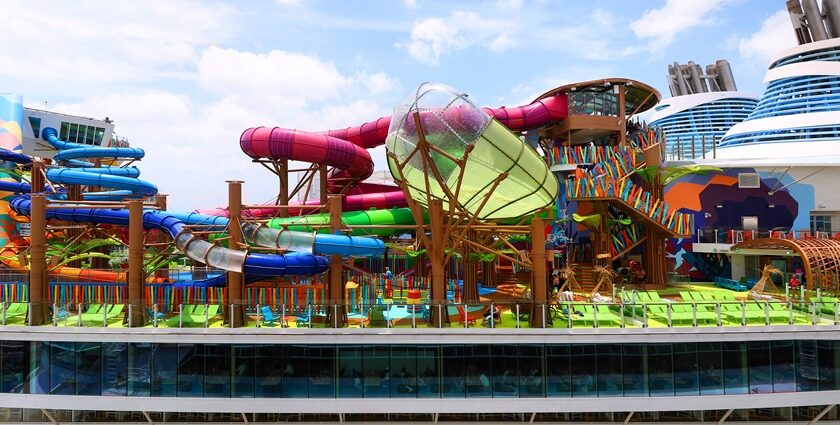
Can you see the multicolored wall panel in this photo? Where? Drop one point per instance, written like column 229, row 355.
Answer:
column 11, row 138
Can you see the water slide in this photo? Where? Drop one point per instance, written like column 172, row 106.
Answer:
column 125, row 181
column 346, row 151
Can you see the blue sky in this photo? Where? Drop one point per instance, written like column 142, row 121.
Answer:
column 183, row 78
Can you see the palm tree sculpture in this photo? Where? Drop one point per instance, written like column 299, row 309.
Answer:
column 765, row 286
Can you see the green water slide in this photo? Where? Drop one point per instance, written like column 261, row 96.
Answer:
column 393, row 216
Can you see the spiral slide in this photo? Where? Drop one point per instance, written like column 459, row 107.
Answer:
column 346, row 151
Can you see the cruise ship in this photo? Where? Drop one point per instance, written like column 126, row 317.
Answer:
column 546, row 263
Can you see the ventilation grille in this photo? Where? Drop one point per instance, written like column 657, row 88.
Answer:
column 749, row 181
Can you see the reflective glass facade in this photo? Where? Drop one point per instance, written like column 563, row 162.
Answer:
column 418, row 371
column 798, row 95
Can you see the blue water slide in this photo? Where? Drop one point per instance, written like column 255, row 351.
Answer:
column 125, row 182
column 194, row 247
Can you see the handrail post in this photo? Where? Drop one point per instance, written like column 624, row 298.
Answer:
column 621, row 313
column 258, row 316
column 440, row 314
column 644, row 315
column 594, row 316
column 155, row 312
column 78, row 316
column 335, row 316
column 283, row 311
column 517, row 316
column 743, row 313
column 130, row 322
column 492, row 315
column 766, row 313
column 668, row 311
column 181, row 315
column 105, row 308
column 813, row 313
column 465, row 316
column 717, row 313
column 362, row 320
column 55, row 315
column 694, row 314
column 542, row 306
column 310, row 315
column 4, row 312
column 207, row 315
column 790, row 312
column 836, row 317
column 413, row 316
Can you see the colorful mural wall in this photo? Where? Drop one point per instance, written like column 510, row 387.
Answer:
column 11, row 138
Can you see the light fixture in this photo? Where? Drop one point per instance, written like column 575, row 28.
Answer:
column 771, row 206
column 719, row 206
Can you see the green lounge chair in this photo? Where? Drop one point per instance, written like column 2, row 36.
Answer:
column 184, row 316
column 16, row 310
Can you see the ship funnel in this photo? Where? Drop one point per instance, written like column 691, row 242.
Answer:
column 690, row 78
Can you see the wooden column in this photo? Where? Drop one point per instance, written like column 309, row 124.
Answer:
column 470, row 274
column 335, row 293
column 437, row 256
column 539, row 285
column 162, row 237
column 283, row 194
column 235, row 317
column 622, row 116
column 37, row 176
column 39, row 284
column 136, row 275
column 322, row 187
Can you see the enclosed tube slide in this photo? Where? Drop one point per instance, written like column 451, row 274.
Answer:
column 194, row 247
column 124, row 180
column 340, row 148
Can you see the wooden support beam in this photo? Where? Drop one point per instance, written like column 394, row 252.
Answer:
column 234, row 305
column 136, row 275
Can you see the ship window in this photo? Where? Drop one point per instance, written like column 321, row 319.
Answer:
column 90, row 131
column 35, row 122
column 65, row 128
column 74, row 130
column 820, row 223
column 100, row 133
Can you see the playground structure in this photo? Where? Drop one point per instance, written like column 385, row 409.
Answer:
column 478, row 212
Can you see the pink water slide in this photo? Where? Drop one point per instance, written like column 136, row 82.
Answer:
column 346, row 150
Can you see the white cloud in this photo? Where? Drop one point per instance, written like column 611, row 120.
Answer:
column 289, row 3
column 660, row 26
column 192, row 147
column 774, row 35
column 89, row 44
column 411, row 4
column 432, row 38
column 509, row 5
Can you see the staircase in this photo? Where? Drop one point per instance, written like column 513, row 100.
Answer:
column 585, row 276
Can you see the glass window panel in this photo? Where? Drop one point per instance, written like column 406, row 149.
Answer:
column 734, row 367
column 15, row 362
column 88, row 368
column 65, row 128
column 139, row 368
column 217, row 367
column 711, row 368
column 322, row 370
column 531, row 371
column 609, row 370
column 404, row 364
column 100, row 133
column 269, row 371
column 114, row 368
column 62, row 368
column 165, row 365
column 350, row 379
column 634, row 363
column 295, row 371
column 243, row 370
column 828, row 353
column 191, row 370
column 686, row 380
column 506, row 375
column 558, row 378
column 89, row 135
column 452, row 367
column 758, row 361
column 584, row 370
column 478, row 379
column 783, row 364
column 377, row 371
column 73, row 132
column 428, row 377
column 807, row 366
column 38, row 377
column 660, row 367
